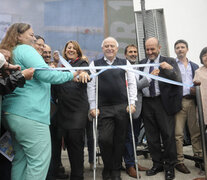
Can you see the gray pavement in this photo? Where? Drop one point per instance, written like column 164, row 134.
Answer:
column 88, row 174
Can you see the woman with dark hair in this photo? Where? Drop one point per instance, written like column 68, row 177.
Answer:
column 203, row 55
column 201, row 77
column 26, row 110
column 39, row 44
column 72, row 111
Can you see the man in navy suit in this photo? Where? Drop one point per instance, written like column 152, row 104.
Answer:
column 188, row 112
column 160, row 103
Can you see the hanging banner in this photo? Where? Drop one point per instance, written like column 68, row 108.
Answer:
column 120, row 23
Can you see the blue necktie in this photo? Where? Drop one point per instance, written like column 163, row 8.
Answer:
column 152, row 83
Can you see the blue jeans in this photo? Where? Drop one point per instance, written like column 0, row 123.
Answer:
column 129, row 150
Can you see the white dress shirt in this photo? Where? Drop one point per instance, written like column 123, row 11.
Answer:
column 187, row 76
column 145, row 90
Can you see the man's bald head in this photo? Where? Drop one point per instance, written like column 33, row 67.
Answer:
column 152, row 40
column 152, row 48
column 110, row 48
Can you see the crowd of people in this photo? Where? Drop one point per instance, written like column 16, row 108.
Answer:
column 45, row 111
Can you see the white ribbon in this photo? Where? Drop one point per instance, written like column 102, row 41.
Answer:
column 68, row 67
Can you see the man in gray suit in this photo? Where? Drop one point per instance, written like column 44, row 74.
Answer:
column 131, row 54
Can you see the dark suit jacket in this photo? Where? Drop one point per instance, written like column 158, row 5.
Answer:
column 194, row 67
column 171, row 95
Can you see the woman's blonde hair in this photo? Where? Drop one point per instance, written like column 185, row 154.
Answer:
column 76, row 47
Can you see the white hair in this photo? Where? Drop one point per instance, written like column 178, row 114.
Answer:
column 109, row 38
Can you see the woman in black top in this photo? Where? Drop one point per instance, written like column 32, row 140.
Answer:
column 73, row 111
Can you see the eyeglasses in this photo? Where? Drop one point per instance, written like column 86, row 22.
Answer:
column 41, row 45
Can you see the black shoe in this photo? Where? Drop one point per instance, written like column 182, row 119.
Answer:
column 199, row 165
column 169, row 174
column 106, row 174
column 154, row 170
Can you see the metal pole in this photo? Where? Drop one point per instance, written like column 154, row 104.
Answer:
column 143, row 23
column 202, row 126
column 137, row 36
column 95, row 122
column 94, row 149
column 132, row 128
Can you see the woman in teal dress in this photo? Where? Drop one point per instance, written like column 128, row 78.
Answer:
column 26, row 110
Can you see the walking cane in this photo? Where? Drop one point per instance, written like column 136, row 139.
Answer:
column 95, row 122
column 132, row 128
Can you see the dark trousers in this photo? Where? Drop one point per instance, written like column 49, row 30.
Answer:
column 89, row 135
column 129, row 149
column 74, row 141
column 5, row 168
column 159, row 125
column 112, row 127
column 56, row 143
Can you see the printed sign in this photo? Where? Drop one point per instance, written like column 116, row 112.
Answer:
column 6, row 148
